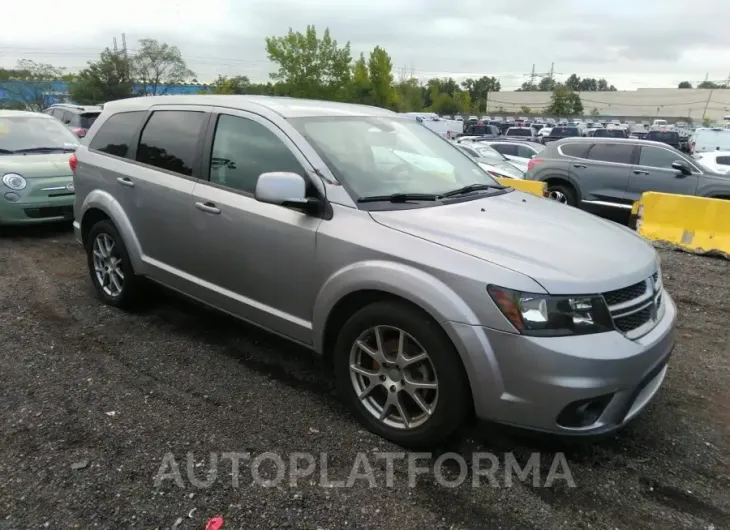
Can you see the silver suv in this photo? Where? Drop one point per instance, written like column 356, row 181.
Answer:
column 433, row 291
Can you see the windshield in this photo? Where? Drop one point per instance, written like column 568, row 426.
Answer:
column 490, row 152
column 375, row 156
column 663, row 136
column 519, row 132
column 611, row 133
column 564, row 131
column 86, row 120
column 21, row 133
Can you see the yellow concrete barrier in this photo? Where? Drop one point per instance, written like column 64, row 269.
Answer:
column 694, row 224
column 528, row 186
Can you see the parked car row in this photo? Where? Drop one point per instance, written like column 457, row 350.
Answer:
column 434, row 292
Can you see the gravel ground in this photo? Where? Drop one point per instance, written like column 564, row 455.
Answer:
column 93, row 399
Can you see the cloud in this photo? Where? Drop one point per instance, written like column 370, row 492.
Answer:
column 621, row 39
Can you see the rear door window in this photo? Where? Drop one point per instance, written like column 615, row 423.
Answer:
column 575, row 150
column 723, row 160
column 116, row 133
column 616, row 153
column 657, row 157
column 169, row 140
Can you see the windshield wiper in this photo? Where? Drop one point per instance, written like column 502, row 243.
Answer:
column 44, row 149
column 400, row 197
column 470, row 188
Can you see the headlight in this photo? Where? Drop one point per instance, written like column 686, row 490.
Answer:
column 543, row 315
column 14, row 181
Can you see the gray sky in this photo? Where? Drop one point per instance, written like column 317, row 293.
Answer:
column 632, row 43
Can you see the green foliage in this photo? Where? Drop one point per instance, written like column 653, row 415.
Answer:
column 595, row 113
column 525, row 109
column 311, row 67
column 564, row 102
column 410, row 95
column 684, row 84
column 158, row 64
column 479, row 90
column 380, row 70
column 104, row 80
column 239, row 84
column 362, row 90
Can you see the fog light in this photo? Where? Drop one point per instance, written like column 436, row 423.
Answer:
column 11, row 197
column 584, row 412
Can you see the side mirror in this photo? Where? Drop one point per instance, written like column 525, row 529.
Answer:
column 282, row 188
column 682, row 166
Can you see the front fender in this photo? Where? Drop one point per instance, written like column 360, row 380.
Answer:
column 414, row 285
column 104, row 201
column 430, row 294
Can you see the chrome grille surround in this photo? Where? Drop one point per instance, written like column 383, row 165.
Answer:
column 636, row 309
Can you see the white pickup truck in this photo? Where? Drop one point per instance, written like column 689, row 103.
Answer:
column 449, row 129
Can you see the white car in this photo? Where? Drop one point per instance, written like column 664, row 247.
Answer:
column 717, row 161
column 709, row 140
column 492, row 162
column 545, row 131
column 521, row 152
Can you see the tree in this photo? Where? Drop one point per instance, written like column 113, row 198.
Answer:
column 684, row 84
column 361, row 87
column 380, row 71
column 706, row 122
column 311, row 67
column 158, row 65
column 528, row 86
column 443, row 104
column 104, row 80
column 524, row 109
column 595, row 113
column 410, row 95
column 546, row 84
column 30, row 85
column 479, row 90
column 573, row 83
column 708, row 84
column 564, row 102
column 462, row 100
column 239, row 84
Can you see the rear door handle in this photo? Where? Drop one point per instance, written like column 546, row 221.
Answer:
column 125, row 181
column 640, row 172
column 582, row 166
column 208, row 207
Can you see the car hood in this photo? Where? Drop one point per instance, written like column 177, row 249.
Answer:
column 562, row 248
column 36, row 165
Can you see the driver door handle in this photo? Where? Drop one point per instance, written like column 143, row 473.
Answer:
column 125, row 181
column 640, row 172
column 581, row 166
column 208, row 207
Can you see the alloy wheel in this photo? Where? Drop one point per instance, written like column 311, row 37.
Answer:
column 558, row 196
column 393, row 377
column 108, row 265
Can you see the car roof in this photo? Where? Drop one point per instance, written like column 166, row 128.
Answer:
column 22, row 114
column 284, row 106
column 594, row 140
column 80, row 108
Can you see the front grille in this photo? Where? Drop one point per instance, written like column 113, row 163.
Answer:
column 626, row 294
column 634, row 308
column 633, row 321
column 66, row 212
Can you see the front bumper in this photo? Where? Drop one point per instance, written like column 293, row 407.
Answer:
column 44, row 200
column 530, row 382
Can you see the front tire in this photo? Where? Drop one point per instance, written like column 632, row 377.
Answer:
column 400, row 375
column 563, row 194
column 110, row 268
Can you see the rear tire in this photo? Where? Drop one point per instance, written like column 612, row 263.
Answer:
column 439, row 383
column 110, row 268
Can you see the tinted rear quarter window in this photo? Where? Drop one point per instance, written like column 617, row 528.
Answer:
column 723, row 160
column 170, row 140
column 618, row 153
column 116, row 133
column 564, row 132
column 575, row 150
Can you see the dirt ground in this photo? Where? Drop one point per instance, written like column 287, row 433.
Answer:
column 93, row 399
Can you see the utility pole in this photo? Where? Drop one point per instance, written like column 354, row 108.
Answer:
column 115, row 45
column 126, row 56
column 532, row 75
column 704, row 113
